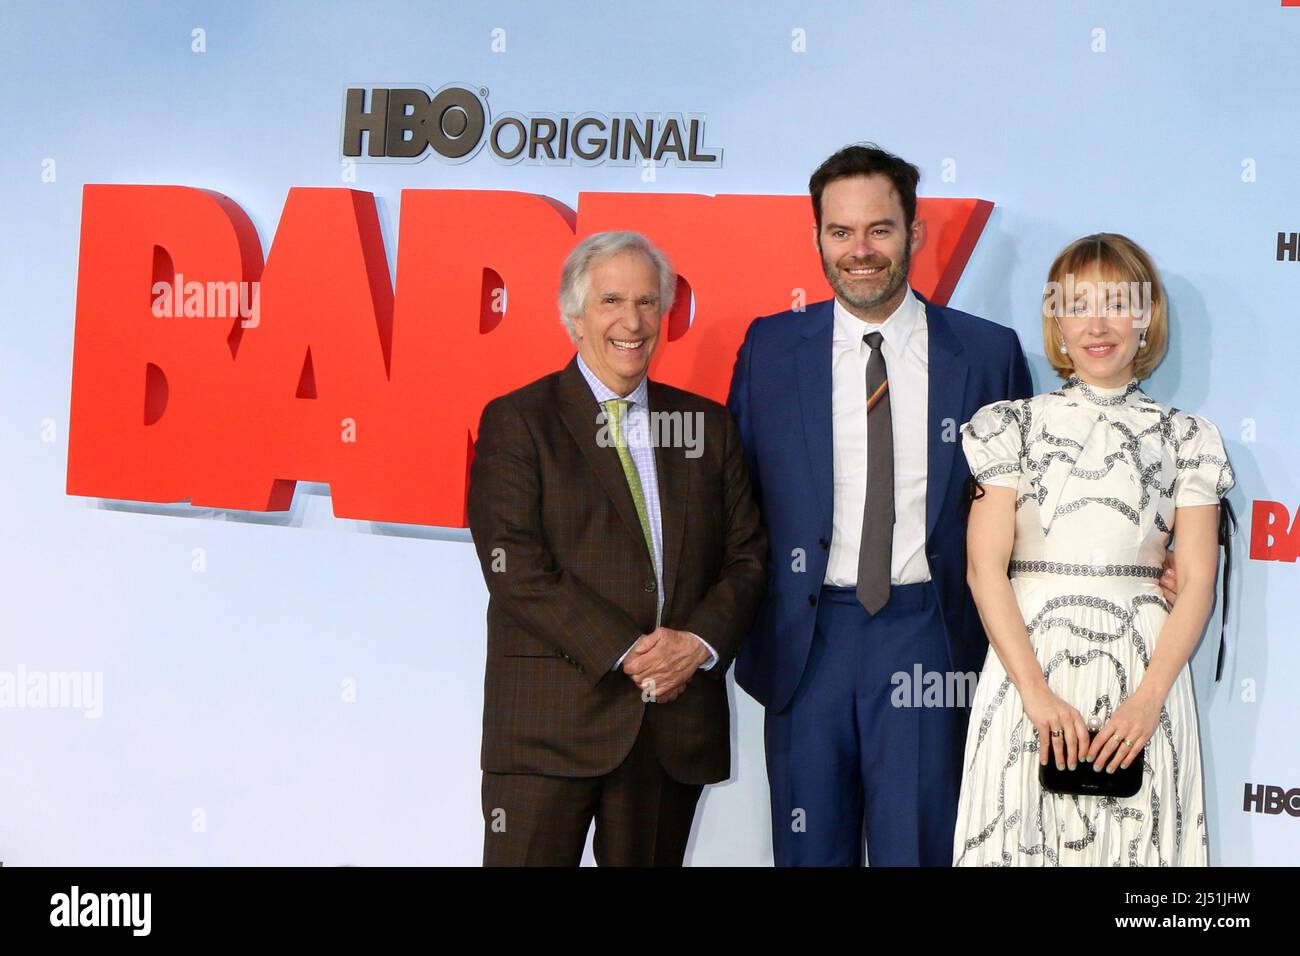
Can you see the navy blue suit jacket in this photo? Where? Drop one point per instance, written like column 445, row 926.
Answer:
column 781, row 398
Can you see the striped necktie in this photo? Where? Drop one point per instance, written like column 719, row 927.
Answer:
column 875, row 552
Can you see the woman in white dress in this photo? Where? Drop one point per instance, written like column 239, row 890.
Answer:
column 1081, row 489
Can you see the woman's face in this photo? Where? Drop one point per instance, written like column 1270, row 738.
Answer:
column 1101, row 322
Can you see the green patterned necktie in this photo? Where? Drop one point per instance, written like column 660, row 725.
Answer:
column 615, row 409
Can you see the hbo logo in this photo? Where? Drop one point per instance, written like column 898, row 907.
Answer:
column 1264, row 799
column 404, row 123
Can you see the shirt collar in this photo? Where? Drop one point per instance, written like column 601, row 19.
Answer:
column 604, row 393
column 896, row 329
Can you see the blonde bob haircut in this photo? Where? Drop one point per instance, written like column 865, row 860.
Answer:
column 1118, row 259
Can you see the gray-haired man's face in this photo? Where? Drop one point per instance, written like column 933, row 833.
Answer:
column 619, row 327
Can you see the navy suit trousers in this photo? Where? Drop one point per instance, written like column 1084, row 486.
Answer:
column 853, row 754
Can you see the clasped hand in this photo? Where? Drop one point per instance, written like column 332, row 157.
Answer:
column 663, row 662
column 1062, row 733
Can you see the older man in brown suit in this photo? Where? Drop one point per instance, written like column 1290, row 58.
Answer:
column 624, row 558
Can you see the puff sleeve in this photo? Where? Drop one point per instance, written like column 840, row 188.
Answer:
column 1203, row 473
column 992, row 443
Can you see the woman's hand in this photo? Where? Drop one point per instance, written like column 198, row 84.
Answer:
column 1060, row 727
column 1126, row 733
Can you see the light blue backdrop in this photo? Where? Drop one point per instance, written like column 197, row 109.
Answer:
column 224, row 736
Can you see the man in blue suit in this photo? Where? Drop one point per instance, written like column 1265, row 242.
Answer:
column 849, row 413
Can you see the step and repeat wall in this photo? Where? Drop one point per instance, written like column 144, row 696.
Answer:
column 265, row 263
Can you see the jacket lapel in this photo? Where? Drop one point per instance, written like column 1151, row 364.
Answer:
column 947, row 403
column 579, row 410
column 813, row 365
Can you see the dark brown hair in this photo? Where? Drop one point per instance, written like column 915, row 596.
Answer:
column 867, row 159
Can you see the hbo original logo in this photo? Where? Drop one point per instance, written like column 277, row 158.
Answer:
column 403, row 123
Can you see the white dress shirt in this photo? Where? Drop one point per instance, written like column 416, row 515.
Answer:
column 905, row 346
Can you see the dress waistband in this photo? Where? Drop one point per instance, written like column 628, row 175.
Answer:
column 1025, row 568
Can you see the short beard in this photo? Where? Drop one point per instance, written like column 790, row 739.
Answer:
column 895, row 275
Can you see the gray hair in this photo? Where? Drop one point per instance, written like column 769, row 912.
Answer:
column 602, row 245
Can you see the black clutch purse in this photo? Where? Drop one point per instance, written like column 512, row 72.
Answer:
column 1085, row 781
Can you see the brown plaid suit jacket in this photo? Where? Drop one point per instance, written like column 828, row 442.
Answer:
column 572, row 586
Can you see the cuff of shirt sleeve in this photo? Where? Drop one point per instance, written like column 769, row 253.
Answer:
column 713, row 655
column 619, row 663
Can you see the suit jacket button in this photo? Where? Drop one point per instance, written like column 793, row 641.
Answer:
column 812, row 601
column 649, row 586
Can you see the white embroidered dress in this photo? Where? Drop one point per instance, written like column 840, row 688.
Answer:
column 1098, row 474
